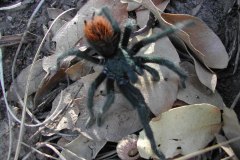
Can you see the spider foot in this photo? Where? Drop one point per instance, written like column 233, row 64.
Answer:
column 90, row 122
column 156, row 79
column 183, row 84
column 183, row 81
column 99, row 120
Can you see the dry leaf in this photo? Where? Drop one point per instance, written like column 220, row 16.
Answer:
column 143, row 14
column 82, row 148
column 37, row 75
column 231, row 128
column 49, row 82
column 69, row 115
column 195, row 92
column 54, row 12
column 131, row 5
column 204, row 43
column 205, row 75
column 79, row 70
column 203, row 39
column 182, row 130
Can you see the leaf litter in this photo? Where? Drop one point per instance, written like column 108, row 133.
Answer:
column 122, row 120
column 196, row 126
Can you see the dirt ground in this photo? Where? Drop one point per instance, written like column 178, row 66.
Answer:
column 221, row 16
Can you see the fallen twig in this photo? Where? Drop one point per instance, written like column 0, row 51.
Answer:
column 10, row 40
column 15, row 88
column 36, row 150
column 194, row 154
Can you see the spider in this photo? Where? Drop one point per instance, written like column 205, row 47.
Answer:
column 121, row 66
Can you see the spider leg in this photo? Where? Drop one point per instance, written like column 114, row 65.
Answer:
column 131, row 74
column 78, row 53
column 167, row 63
column 136, row 47
column 127, row 33
column 95, row 84
column 134, row 96
column 105, row 10
column 152, row 22
column 138, row 70
column 109, row 100
column 154, row 73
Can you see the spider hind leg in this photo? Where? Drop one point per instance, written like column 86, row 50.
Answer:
column 135, row 97
column 109, row 100
column 93, row 87
column 154, row 73
column 166, row 63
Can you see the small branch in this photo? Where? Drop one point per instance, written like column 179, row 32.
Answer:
column 235, row 101
column 10, row 136
column 194, row 154
column 24, row 106
column 10, row 40
column 41, row 144
column 36, row 150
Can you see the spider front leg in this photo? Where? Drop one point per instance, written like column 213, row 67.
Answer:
column 135, row 97
column 105, row 11
column 136, row 47
column 79, row 53
column 154, row 73
column 166, row 63
column 109, row 100
column 152, row 22
column 127, row 33
column 95, row 84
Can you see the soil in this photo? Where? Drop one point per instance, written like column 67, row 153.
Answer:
column 221, row 16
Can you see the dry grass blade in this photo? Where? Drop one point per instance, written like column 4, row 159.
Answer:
column 10, row 136
column 6, row 103
column 29, row 77
column 207, row 149
column 13, row 68
column 42, row 144
column 10, row 40
column 52, row 116
column 36, row 150
column 235, row 100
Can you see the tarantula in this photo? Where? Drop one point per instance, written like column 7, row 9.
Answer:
column 121, row 66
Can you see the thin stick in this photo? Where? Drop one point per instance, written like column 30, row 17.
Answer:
column 36, row 150
column 235, row 101
column 25, row 97
column 10, row 136
column 230, row 157
column 53, row 148
column 66, row 150
column 194, row 154
column 17, row 53
column 6, row 103
column 28, row 80
column 53, row 115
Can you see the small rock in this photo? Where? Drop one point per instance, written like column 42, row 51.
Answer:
column 9, row 18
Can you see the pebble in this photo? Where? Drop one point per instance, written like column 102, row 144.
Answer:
column 9, row 18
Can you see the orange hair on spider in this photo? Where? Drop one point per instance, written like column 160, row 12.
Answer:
column 98, row 29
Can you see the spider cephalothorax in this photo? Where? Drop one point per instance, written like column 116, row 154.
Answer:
column 101, row 36
column 121, row 66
